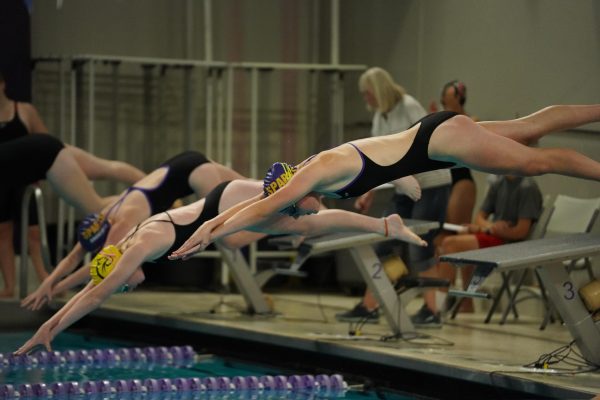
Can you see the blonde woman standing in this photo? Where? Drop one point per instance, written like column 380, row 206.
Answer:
column 421, row 196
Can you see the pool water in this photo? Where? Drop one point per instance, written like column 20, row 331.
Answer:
column 202, row 366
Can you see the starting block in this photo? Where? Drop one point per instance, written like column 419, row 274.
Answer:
column 547, row 255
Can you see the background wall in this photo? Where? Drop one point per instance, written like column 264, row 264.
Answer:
column 515, row 57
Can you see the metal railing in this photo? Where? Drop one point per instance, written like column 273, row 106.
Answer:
column 24, row 264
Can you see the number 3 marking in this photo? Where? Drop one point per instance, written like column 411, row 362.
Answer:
column 570, row 293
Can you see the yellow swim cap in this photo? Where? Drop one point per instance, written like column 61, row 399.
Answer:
column 104, row 262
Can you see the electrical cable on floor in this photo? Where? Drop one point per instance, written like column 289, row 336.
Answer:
column 566, row 354
column 549, row 363
column 409, row 337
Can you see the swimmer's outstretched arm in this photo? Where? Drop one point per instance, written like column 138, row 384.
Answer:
column 249, row 214
column 49, row 287
column 79, row 277
column 44, row 292
column 89, row 298
column 43, row 337
column 202, row 234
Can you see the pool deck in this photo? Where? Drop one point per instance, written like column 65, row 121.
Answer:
column 485, row 353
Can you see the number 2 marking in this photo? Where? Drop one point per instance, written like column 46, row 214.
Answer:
column 378, row 267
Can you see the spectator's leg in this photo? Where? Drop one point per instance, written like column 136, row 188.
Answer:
column 7, row 259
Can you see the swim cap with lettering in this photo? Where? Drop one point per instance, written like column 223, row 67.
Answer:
column 278, row 175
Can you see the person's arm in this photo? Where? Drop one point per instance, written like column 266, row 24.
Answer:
column 254, row 214
column 90, row 298
column 504, row 230
column 202, row 234
column 79, row 277
column 481, row 223
column 31, row 118
column 44, row 292
column 42, row 336
column 363, row 203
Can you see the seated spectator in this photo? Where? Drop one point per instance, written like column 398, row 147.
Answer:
column 514, row 203
column 463, row 191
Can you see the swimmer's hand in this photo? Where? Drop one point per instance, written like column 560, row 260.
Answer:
column 408, row 186
column 41, row 339
column 195, row 243
column 363, row 203
column 397, row 230
column 39, row 297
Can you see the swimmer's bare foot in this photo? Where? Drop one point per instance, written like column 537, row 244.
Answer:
column 397, row 230
column 5, row 294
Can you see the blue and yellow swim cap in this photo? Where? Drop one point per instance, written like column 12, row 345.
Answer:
column 92, row 232
column 278, row 175
column 104, row 263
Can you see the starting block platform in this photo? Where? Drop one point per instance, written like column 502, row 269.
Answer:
column 547, row 255
column 360, row 246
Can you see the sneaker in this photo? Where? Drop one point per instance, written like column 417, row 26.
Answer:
column 425, row 318
column 359, row 314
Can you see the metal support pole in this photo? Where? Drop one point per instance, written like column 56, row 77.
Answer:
column 24, row 275
column 335, row 32
column 313, row 104
column 24, row 264
column 39, row 202
column 340, row 107
column 160, row 123
column 189, row 28
column 114, row 134
column 188, row 106
column 337, row 105
column 229, row 128
column 62, row 132
column 209, row 112
column 91, row 105
column 220, row 100
column 208, row 50
column 379, row 284
column 76, row 82
column 254, row 123
column 148, row 143
column 244, row 280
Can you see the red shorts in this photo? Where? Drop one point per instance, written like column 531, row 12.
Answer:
column 487, row 240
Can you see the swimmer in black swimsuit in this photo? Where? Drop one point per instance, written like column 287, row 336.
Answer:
column 187, row 173
column 35, row 157
column 17, row 120
column 439, row 140
column 117, row 268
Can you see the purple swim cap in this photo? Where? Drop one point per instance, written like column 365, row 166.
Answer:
column 93, row 231
column 277, row 177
